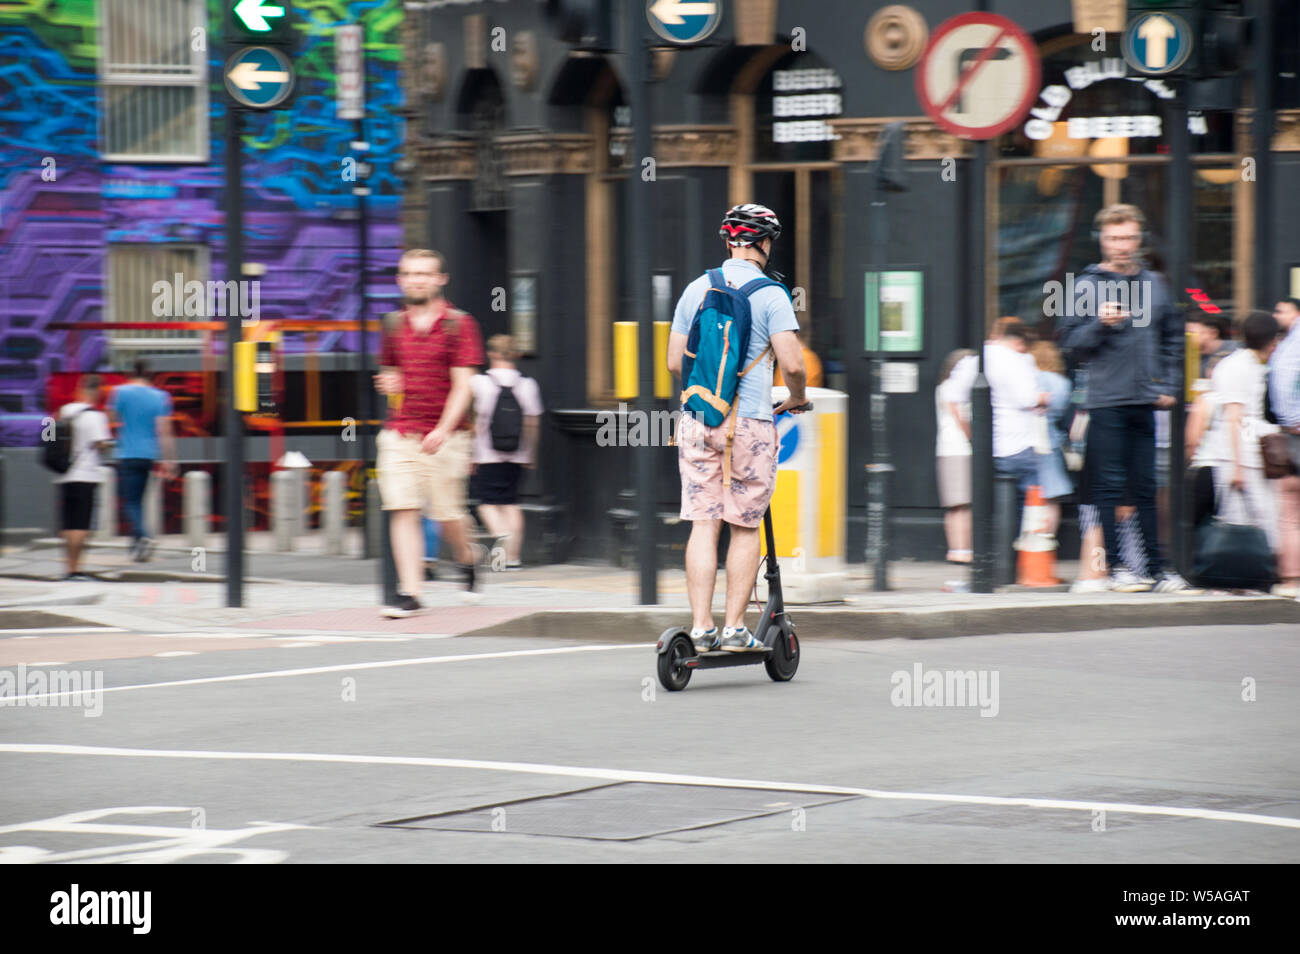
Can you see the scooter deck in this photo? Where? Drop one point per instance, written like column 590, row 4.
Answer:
column 718, row 659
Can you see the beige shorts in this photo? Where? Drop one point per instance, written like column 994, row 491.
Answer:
column 410, row 479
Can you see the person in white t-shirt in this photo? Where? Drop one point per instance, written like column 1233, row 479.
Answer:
column 496, row 472
column 952, row 450
column 1017, row 402
column 1231, row 445
column 77, row 487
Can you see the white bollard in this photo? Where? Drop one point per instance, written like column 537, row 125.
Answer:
column 334, row 517
column 282, row 510
column 153, row 506
column 106, row 506
column 197, row 504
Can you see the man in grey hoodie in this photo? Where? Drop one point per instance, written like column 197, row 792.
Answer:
column 1123, row 330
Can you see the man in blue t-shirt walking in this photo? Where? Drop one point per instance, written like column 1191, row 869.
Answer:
column 144, row 415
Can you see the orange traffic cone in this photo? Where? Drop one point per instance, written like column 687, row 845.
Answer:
column 1036, row 565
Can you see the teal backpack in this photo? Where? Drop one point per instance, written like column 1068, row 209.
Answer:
column 715, row 349
column 716, row 346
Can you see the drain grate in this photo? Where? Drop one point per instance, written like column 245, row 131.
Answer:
column 623, row 811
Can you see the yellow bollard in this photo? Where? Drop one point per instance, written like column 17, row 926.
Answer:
column 663, row 380
column 1191, row 367
column 625, row 358
column 245, row 376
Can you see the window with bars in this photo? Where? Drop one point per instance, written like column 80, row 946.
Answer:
column 153, row 75
column 149, row 283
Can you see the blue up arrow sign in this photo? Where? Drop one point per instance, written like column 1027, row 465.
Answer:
column 683, row 21
column 259, row 76
column 1157, row 43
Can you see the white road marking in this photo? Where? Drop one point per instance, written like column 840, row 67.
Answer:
column 30, row 665
column 177, row 652
column 662, row 778
column 297, row 645
column 313, row 670
column 46, row 630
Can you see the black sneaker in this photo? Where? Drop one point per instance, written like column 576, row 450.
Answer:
column 472, row 592
column 406, row 605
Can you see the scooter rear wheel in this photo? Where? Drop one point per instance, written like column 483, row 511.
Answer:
column 782, row 664
column 674, row 674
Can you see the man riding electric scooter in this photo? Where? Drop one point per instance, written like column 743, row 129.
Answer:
column 729, row 325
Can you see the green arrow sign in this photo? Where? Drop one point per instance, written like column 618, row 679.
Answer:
column 253, row 14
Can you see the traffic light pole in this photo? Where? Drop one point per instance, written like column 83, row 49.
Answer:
column 234, row 423
column 640, row 243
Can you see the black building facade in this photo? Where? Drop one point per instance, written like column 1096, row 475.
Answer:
column 519, row 147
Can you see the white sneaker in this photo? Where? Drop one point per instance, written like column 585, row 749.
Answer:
column 1124, row 580
column 1171, row 582
column 1101, row 585
column 1287, row 590
column 705, row 640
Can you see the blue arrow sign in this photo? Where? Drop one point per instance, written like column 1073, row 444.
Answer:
column 683, row 21
column 259, row 76
column 1157, row 43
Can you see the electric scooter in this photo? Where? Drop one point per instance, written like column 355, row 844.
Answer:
column 678, row 658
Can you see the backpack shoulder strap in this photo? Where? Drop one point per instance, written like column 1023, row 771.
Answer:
column 716, row 279
column 763, row 281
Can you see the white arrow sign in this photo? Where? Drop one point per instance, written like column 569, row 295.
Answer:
column 254, row 13
column 248, row 75
column 1157, row 32
column 671, row 12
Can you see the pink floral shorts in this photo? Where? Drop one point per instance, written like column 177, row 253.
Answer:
column 753, row 470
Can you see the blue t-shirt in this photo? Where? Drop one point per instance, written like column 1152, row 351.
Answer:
column 138, row 407
column 771, row 311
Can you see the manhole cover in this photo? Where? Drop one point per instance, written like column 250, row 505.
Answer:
column 623, row 811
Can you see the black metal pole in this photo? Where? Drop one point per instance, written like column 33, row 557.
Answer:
column 234, row 422
column 367, row 405
column 640, row 242
column 983, row 563
column 1179, row 227
column 880, row 468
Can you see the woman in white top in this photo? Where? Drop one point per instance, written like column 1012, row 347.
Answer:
column 952, row 450
column 496, row 472
column 1231, row 443
column 78, row 485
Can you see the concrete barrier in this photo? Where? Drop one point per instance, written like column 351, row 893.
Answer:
column 334, row 513
column 196, row 506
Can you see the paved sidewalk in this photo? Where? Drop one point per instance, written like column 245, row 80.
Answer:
column 307, row 591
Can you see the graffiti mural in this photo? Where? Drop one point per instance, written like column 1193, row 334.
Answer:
column 61, row 206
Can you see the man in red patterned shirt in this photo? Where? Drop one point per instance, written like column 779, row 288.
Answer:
column 423, row 452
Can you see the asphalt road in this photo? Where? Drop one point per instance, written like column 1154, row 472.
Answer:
column 1154, row 745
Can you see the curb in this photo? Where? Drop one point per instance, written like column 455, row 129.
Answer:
column 639, row 625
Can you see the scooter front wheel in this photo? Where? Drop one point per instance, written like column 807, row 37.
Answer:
column 674, row 674
column 783, row 662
